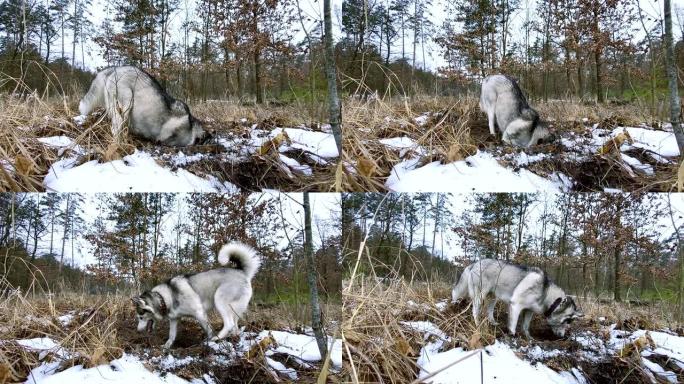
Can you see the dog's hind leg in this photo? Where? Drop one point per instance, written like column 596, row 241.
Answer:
column 490, row 312
column 230, row 303
column 228, row 317
column 173, row 331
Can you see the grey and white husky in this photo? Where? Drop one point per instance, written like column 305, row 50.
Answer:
column 506, row 107
column 226, row 289
column 527, row 290
column 130, row 94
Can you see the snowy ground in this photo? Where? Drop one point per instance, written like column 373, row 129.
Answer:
column 143, row 369
column 493, row 171
column 145, row 172
column 661, row 353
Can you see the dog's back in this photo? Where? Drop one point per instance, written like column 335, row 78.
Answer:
column 131, row 94
column 506, row 107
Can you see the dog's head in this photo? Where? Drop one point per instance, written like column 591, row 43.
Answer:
column 543, row 134
column 146, row 312
column 561, row 314
column 184, row 128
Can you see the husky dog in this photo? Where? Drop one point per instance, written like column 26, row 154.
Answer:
column 527, row 290
column 131, row 94
column 226, row 289
column 505, row 105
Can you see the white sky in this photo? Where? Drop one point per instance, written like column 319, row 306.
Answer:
column 325, row 208
column 652, row 8
column 459, row 202
column 93, row 53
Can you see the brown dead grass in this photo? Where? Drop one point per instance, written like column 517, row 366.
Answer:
column 104, row 327
column 378, row 348
column 458, row 128
column 28, row 116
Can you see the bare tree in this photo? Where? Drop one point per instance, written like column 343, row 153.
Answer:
column 316, row 321
column 331, row 76
column 675, row 109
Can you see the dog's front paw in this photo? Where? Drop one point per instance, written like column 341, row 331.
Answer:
column 167, row 345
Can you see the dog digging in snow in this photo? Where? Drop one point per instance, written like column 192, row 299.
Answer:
column 131, row 95
column 506, row 107
column 526, row 290
column 226, row 289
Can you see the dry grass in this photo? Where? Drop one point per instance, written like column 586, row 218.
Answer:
column 378, row 348
column 28, row 116
column 104, row 327
column 457, row 128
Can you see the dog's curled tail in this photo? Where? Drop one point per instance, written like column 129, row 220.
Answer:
column 245, row 257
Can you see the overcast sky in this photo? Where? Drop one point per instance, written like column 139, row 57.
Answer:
column 313, row 10
column 460, row 202
column 325, row 208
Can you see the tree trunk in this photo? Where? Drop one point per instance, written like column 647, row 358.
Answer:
column 334, row 108
column 675, row 108
column 316, row 321
column 616, row 278
column 599, row 86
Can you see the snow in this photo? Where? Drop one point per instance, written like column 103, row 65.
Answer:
column 281, row 369
column 296, row 166
column 65, row 320
column 45, row 346
column 303, row 347
column 138, row 172
column 182, row 159
column 131, row 369
column 320, row 143
column 80, row 119
column 660, row 142
column 638, row 165
column 62, row 143
column 499, row 365
column 422, row 119
column 126, row 370
column 480, row 172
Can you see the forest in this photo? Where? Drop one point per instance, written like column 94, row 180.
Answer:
column 619, row 256
column 71, row 263
column 253, row 73
column 138, row 240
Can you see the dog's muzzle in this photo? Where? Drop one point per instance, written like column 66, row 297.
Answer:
column 205, row 139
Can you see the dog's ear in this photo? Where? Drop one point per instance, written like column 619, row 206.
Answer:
column 137, row 301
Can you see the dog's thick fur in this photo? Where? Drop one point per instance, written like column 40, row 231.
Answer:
column 506, row 108
column 130, row 94
column 226, row 289
column 527, row 290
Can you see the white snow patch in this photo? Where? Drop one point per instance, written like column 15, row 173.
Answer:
column 44, row 345
column 296, row 166
column 320, row 143
column 304, row 347
column 182, row 159
column 499, row 365
column 138, row 172
column 422, row 119
column 281, row 369
column 480, row 172
column 637, row 165
column 126, row 370
column 80, row 119
column 660, row 142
